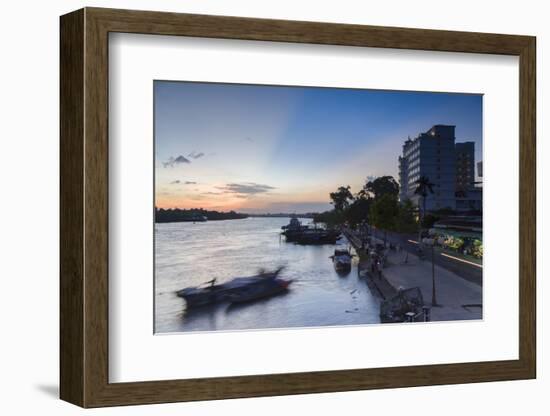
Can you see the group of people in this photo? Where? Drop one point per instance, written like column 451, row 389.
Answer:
column 377, row 256
column 376, row 252
column 377, row 263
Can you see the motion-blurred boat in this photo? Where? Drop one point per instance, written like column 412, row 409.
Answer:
column 240, row 289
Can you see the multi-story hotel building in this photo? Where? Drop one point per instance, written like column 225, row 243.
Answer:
column 448, row 165
column 465, row 168
column 480, row 169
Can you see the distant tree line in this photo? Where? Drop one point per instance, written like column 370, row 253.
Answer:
column 194, row 214
column 282, row 215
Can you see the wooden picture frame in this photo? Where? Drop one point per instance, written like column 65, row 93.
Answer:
column 84, row 207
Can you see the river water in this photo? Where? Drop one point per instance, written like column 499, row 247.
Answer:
column 188, row 254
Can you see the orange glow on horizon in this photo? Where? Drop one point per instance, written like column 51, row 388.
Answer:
column 214, row 197
column 185, row 203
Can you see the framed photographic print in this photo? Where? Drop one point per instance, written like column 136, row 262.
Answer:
column 256, row 207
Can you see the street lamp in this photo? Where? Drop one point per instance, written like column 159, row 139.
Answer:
column 434, row 301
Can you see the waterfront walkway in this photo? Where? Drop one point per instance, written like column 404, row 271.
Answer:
column 453, row 262
column 457, row 298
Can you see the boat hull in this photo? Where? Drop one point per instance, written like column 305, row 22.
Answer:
column 265, row 290
column 237, row 290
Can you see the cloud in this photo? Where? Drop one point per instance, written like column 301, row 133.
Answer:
column 197, row 197
column 245, row 189
column 172, row 161
column 177, row 181
column 212, row 193
column 195, row 155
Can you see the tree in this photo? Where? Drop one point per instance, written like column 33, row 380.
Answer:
column 429, row 220
column 384, row 185
column 383, row 213
column 330, row 218
column 341, row 198
column 358, row 211
column 423, row 187
column 406, row 222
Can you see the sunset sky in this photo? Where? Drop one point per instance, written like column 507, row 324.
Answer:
column 259, row 149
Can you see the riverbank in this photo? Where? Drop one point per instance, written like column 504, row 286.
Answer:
column 456, row 298
column 376, row 281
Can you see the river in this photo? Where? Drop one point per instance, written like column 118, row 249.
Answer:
column 188, row 254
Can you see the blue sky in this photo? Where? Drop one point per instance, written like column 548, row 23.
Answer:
column 259, row 148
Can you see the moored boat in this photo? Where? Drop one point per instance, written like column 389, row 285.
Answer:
column 342, row 259
column 317, row 236
column 293, row 229
column 296, row 232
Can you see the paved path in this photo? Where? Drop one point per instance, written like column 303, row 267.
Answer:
column 453, row 293
column 472, row 273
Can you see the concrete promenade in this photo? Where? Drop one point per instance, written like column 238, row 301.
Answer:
column 457, row 297
column 467, row 271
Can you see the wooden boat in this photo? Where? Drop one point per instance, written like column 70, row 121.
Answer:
column 293, row 229
column 294, row 225
column 342, row 259
column 317, row 236
column 240, row 289
column 295, row 232
column 261, row 289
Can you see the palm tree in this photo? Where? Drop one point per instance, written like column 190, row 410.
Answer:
column 424, row 186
